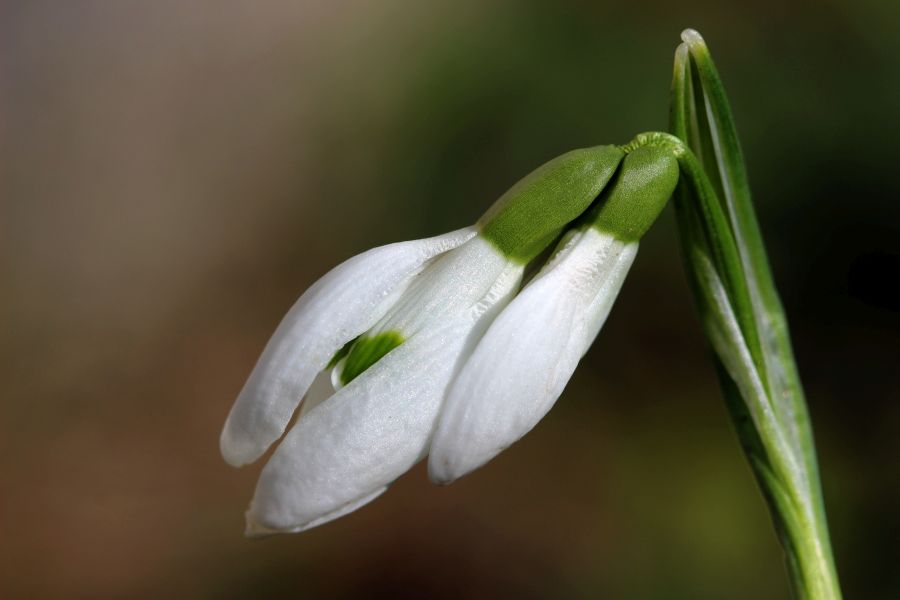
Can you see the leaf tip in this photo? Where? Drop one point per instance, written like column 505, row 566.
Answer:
column 682, row 54
column 692, row 37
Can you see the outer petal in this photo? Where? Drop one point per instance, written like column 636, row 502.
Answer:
column 523, row 362
column 346, row 451
column 338, row 307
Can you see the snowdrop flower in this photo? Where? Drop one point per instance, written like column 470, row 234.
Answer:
column 395, row 325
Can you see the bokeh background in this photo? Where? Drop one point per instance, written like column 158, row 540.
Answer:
column 174, row 174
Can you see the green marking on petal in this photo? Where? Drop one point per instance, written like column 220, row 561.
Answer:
column 365, row 352
column 344, row 351
column 644, row 184
column 528, row 217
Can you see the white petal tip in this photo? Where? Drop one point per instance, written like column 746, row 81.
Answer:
column 440, row 474
column 444, row 470
column 236, row 451
column 257, row 530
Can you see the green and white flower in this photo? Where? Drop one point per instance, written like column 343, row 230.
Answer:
column 425, row 351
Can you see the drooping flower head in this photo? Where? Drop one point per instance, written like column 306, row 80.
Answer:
column 417, row 347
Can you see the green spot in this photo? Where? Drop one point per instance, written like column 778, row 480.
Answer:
column 644, row 184
column 344, row 351
column 366, row 351
column 528, row 217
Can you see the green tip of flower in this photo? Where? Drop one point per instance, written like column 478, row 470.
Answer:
column 340, row 354
column 365, row 352
column 645, row 183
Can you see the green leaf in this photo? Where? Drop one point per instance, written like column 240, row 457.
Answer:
column 743, row 317
column 723, row 161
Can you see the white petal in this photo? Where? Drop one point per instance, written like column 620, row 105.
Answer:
column 452, row 283
column 321, row 390
column 523, row 362
column 347, row 301
column 255, row 529
column 344, row 452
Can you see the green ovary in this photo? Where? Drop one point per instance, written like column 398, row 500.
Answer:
column 364, row 352
column 643, row 185
column 535, row 210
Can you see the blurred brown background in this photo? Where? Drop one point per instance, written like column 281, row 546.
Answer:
column 174, row 174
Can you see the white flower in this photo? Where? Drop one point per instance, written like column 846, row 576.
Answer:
column 420, row 361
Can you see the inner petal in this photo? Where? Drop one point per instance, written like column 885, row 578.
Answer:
column 449, row 285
